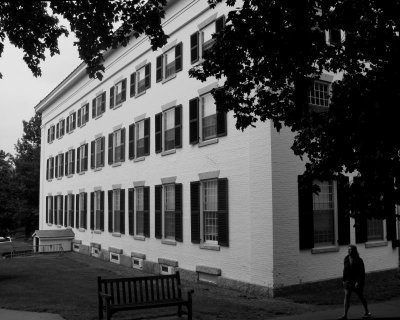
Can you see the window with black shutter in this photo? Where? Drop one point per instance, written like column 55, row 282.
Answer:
column 83, row 115
column 97, row 153
column 141, row 80
column 99, row 105
column 116, row 146
column 131, row 213
column 157, row 211
column 142, row 138
column 131, row 141
column 168, row 129
column 169, row 63
column 118, row 93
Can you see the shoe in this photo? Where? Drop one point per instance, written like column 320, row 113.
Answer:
column 367, row 315
column 342, row 318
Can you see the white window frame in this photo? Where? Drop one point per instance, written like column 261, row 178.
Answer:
column 69, row 213
column 60, row 167
column 50, row 209
column 315, row 95
column 81, row 209
column 59, row 209
column 373, row 237
column 202, row 212
column 139, row 72
column 70, row 161
column 96, row 210
column 81, row 157
column 170, row 111
column 117, row 144
column 118, row 93
column 139, row 190
column 169, row 74
column 97, row 153
column 209, row 42
column 139, row 126
column 83, row 114
column 116, row 210
column 170, row 212
column 98, row 104
column 201, row 117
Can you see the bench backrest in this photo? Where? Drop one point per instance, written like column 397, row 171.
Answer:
column 141, row 289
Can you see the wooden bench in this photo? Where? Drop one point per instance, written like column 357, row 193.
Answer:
column 120, row 294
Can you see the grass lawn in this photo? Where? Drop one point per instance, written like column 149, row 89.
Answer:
column 66, row 285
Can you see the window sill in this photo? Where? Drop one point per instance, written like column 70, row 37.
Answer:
column 82, row 125
column 98, row 169
column 97, row 231
column 59, row 138
column 70, row 176
column 168, row 242
column 49, row 180
column 169, row 78
column 208, row 142
column 117, row 164
column 59, row 226
column 374, row 244
column 50, row 142
column 81, row 229
column 140, row 94
column 324, row 249
column 81, row 173
column 117, row 106
column 98, row 116
column 49, row 224
column 140, row 238
column 208, row 246
column 116, row 234
column 59, row 178
column 71, row 131
column 139, row 159
column 69, row 227
column 165, row 153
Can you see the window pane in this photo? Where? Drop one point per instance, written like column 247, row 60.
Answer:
column 117, row 146
column 209, row 117
column 98, row 152
column 210, row 213
column 318, row 94
column 141, row 84
column 139, row 212
column 208, row 31
column 170, row 197
column 140, row 138
column 323, row 207
column 375, row 229
column 170, row 62
column 116, row 205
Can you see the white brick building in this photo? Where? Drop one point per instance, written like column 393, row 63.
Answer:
column 140, row 165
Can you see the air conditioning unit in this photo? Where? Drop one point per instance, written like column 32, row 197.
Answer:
column 164, row 269
column 95, row 252
column 114, row 257
column 137, row 263
column 76, row 247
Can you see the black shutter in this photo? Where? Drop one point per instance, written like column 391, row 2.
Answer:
column 77, row 211
column 194, row 47
column 78, row 162
column 158, row 128
column 55, row 209
column 194, row 121
column 123, row 133
column 131, row 216
column 122, row 211
column 102, row 210
column 62, row 164
column 102, row 150
column 93, row 109
column 157, row 211
column 112, row 97
column 361, row 228
column 66, row 164
column 85, row 210
column 52, row 168
column 72, row 210
column 343, row 217
column 86, row 155
column 178, row 213
column 223, row 212
column 133, row 84
column 57, row 130
column 110, row 211
column 221, row 123
column 62, row 208
column 123, row 90
column 195, row 211
column 74, row 121
column 79, row 117
column 219, row 24
column 48, row 135
column 92, row 154
column 146, row 207
column 178, row 126
column 131, row 142
column 67, row 126
column 110, row 148
column 47, row 169
column 335, row 36
column 306, row 218
column 147, row 76
column 178, row 57
column 159, row 68
column 86, row 112
column 65, row 210
column 92, row 211
column 103, row 102
column 73, row 162
column 47, row 209
column 56, row 167
column 146, row 136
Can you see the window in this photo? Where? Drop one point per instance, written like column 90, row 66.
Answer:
column 97, row 210
column 116, row 211
column 59, row 169
column 169, row 63
column 83, row 115
column 60, row 129
column 50, row 168
column 139, row 213
column 322, row 220
column 99, row 105
column 58, row 205
column 69, row 211
column 117, row 93
column 82, row 158
column 168, row 211
column 116, row 146
column 141, row 80
column 209, row 212
column 71, row 122
column 81, row 210
column 202, row 40
column 49, row 209
column 139, row 139
column 97, row 153
column 374, row 229
column 70, row 162
column 50, row 134
column 169, row 131
column 334, row 37
column 318, row 95
column 205, row 121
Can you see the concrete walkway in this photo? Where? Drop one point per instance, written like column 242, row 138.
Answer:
column 388, row 310
column 6, row 314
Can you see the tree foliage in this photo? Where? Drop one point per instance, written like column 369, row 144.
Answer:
column 34, row 26
column 7, row 194
column 270, row 52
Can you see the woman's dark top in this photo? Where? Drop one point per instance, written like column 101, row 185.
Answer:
column 354, row 272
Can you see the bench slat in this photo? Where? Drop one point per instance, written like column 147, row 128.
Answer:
column 173, row 288
column 168, row 289
column 130, row 292
column 146, row 290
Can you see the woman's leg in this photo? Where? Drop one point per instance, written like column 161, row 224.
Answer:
column 360, row 294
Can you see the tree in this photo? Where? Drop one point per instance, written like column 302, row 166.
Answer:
column 34, row 27
column 7, row 195
column 27, row 174
column 269, row 54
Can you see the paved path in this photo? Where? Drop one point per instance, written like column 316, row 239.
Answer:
column 388, row 310
column 6, row 314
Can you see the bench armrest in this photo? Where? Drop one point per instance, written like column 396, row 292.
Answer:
column 105, row 296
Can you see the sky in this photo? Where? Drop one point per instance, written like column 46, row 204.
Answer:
column 20, row 91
